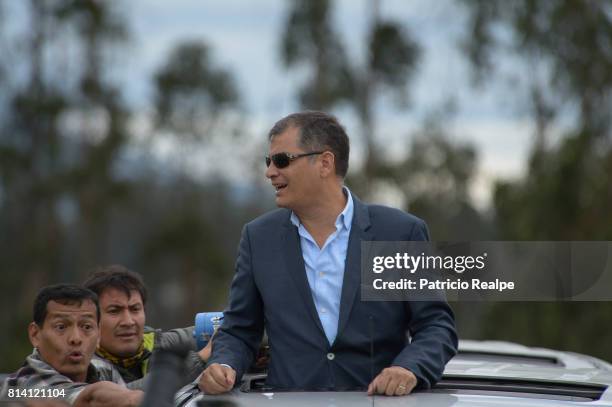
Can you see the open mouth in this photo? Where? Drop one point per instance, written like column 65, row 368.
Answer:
column 279, row 187
column 75, row 356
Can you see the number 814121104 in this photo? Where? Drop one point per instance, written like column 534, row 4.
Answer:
column 36, row 393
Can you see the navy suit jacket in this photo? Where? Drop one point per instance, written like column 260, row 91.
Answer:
column 270, row 289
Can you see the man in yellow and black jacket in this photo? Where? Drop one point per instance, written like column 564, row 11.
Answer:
column 125, row 341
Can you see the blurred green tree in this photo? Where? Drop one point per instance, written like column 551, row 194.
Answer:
column 99, row 28
column 196, row 103
column 391, row 57
column 309, row 38
column 56, row 158
column 435, row 179
column 567, row 191
column 192, row 94
column 78, row 191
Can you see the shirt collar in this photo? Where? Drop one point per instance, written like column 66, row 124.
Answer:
column 36, row 363
column 344, row 218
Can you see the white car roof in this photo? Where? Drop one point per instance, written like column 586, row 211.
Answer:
column 569, row 360
column 484, row 373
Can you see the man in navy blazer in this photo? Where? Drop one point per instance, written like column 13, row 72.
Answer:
column 298, row 276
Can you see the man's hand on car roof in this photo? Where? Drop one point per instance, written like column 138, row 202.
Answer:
column 393, row 381
column 217, row 379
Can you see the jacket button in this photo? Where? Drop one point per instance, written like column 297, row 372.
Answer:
column 330, row 356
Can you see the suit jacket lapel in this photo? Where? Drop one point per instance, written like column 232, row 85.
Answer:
column 352, row 266
column 294, row 262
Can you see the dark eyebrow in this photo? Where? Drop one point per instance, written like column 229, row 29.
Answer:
column 60, row 317
column 70, row 316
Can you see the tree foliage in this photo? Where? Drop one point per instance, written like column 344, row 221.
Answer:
column 309, row 38
column 572, row 39
column 390, row 61
column 77, row 191
column 566, row 192
column 191, row 92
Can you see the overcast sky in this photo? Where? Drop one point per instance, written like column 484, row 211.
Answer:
column 244, row 36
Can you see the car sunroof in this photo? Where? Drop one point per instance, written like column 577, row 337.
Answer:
column 518, row 387
column 479, row 356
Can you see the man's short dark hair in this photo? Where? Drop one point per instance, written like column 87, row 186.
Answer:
column 318, row 131
column 118, row 277
column 66, row 294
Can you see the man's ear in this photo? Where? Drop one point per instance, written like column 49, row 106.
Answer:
column 328, row 164
column 34, row 334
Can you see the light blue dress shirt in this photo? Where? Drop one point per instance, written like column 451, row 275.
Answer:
column 325, row 267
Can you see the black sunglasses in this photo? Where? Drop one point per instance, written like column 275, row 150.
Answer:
column 282, row 160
